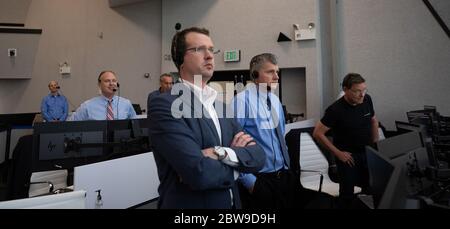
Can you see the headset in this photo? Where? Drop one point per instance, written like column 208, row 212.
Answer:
column 254, row 74
column 178, row 48
column 114, row 90
column 176, row 51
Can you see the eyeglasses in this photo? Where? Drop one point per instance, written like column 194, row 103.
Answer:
column 203, row 49
column 360, row 92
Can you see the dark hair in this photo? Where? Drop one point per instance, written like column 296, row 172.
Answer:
column 164, row 75
column 257, row 62
column 103, row 72
column 178, row 48
column 350, row 79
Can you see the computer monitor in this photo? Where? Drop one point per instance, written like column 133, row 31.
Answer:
column 427, row 117
column 405, row 127
column 395, row 182
column 395, row 195
column 64, row 145
column 18, row 119
column 398, row 145
column 380, row 171
column 128, row 137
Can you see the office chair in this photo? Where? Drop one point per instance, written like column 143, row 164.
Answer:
column 290, row 118
column 137, row 109
column 308, row 161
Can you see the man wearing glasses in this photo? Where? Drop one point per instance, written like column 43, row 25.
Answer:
column 198, row 152
column 354, row 125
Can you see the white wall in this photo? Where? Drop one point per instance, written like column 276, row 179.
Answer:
column 401, row 51
column 14, row 11
column 253, row 27
column 131, row 46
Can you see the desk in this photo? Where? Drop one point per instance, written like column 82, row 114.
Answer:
column 123, row 182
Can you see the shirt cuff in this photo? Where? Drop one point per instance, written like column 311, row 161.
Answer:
column 231, row 159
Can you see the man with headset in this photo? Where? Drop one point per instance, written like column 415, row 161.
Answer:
column 165, row 85
column 54, row 107
column 260, row 114
column 106, row 106
column 198, row 152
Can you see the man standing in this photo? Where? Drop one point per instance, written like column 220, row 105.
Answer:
column 354, row 125
column 198, row 152
column 106, row 106
column 165, row 84
column 260, row 113
column 54, row 107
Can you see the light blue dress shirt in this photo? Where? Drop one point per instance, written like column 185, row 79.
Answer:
column 96, row 109
column 54, row 107
column 252, row 112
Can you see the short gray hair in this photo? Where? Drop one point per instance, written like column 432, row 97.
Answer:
column 257, row 62
column 164, row 75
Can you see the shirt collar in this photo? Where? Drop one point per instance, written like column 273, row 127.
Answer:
column 207, row 94
column 254, row 90
column 106, row 99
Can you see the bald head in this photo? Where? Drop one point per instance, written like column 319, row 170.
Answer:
column 53, row 87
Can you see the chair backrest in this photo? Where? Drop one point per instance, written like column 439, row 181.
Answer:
column 137, row 108
column 293, row 143
column 311, row 158
column 58, row 178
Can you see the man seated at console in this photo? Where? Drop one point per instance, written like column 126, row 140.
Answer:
column 106, row 106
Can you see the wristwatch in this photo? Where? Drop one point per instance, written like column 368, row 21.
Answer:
column 220, row 152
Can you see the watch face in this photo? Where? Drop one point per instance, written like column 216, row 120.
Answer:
column 220, row 152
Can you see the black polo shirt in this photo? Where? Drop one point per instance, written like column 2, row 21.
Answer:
column 351, row 125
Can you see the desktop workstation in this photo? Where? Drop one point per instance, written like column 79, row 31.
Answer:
column 93, row 146
column 410, row 170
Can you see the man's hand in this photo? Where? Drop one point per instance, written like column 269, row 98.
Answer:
column 347, row 158
column 210, row 153
column 242, row 139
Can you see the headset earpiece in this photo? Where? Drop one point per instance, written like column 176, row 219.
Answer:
column 177, row 55
column 255, row 74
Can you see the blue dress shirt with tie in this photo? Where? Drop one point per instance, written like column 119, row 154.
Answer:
column 265, row 122
column 96, row 109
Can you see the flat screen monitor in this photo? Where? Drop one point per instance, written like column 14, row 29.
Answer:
column 398, row 145
column 427, row 117
column 129, row 137
column 395, row 195
column 380, row 171
column 64, row 145
column 393, row 181
column 18, row 119
column 405, row 127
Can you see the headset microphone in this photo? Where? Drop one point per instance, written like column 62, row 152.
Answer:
column 117, row 86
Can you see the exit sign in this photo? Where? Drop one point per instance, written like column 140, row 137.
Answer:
column 232, row 56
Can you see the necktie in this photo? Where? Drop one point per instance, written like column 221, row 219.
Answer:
column 278, row 131
column 109, row 111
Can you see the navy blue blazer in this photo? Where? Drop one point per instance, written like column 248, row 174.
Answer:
column 187, row 178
